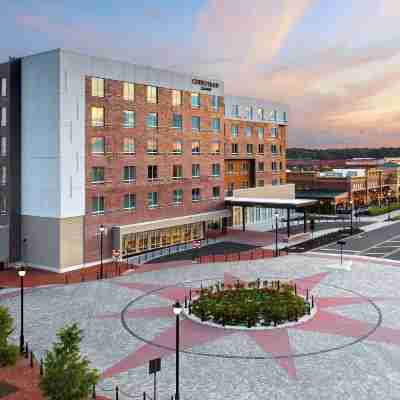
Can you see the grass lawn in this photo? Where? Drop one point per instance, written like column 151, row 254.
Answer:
column 6, row 389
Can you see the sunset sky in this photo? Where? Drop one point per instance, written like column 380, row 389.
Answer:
column 335, row 63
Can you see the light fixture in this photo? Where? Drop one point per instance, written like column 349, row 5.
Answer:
column 21, row 272
column 177, row 308
column 101, row 228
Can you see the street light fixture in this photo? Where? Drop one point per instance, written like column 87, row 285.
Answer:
column 177, row 308
column 388, row 205
column 21, row 273
column 101, row 230
column 276, row 215
column 351, row 217
column 341, row 243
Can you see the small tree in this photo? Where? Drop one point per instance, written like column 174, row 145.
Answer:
column 67, row 376
column 8, row 352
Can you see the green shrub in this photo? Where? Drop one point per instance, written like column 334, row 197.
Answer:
column 8, row 352
column 374, row 211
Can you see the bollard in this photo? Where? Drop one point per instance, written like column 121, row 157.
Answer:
column 94, row 391
column 31, row 360
column 116, row 393
column 26, row 350
column 190, row 308
column 278, row 284
column 97, row 275
column 190, row 294
column 185, row 301
column 312, row 301
column 41, row 367
column 295, row 289
column 144, row 395
column 307, row 295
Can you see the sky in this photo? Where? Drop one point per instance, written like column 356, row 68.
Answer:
column 335, row 63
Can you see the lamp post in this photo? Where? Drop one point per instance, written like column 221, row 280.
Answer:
column 351, row 217
column 388, row 205
column 276, row 234
column 341, row 243
column 101, row 230
column 21, row 274
column 177, row 308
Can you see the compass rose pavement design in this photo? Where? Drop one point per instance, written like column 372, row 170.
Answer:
column 349, row 349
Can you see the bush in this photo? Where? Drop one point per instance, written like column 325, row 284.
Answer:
column 8, row 352
column 67, row 375
column 374, row 211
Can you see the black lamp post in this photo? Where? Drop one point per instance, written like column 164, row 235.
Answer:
column 21, row 274
column 351, row 217
column 101, row 230
column 276, row 234
column 388, row 205
column 341, row 243
column 177, row 308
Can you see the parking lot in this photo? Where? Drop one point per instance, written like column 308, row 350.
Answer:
column 380, row 243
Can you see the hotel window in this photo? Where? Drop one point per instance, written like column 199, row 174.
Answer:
column 129, row 201
column 152, row 146
column 235, row 148
column 3, row 116
column 152, row 199
column 98, row 175
column 260, row 133
column 97, row 87
column 195, row 100
column 245, row 166
column 273, row 166
column 195, row 123
column 3, row 146
column 177, row 197
column 177, row 121
column 4, row 87
column 260, row 166
column 152, row 94
column 216, row 192
column 196, row 194
column 152, row 172
column 129, row 174
column 235, row 110
column 216, row 124
column 260, row 149
column 274, row 132
column 215, row 170
column 195, row 170
column 128, row 119
column 176, row 98
column 273, row 149
column 249, row 112
column 98, row 205
column 231, row 187
column 235, row 130
column 196, row 147
column 215, row 102
column 98, row 145
column 3, row 180
column 244, row 184
column 152, row 120
column 3, row 204
column 231, row 167
column 215, row 148
column 260, row 114
column 285, row 116
column 249, row 148
column 260, row 183
column 129, row 145
column 177, row 172
column 177, row 147
column 129, row 91
column 248, row 131
column 97, row 117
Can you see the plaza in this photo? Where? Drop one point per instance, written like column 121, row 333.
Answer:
column 348, row 350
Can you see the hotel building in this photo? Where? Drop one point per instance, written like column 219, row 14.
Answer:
column 148, row 153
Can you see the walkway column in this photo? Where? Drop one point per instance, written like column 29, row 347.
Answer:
column 305, row 221
column 288, row 222
column 244, row 218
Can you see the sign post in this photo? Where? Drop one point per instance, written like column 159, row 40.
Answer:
column 154, row 367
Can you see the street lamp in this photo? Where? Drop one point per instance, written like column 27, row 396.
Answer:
column 341, row 243
column 351, row 217
column 21, row 273
column 276, row 215
column 177, row 308
column 101, row 230
column 388, row 205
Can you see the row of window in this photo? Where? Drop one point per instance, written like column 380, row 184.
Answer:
column 249, row 148
column 129, row 172
column 3, row 146
column 3, row 175
column 3, row 117
column 99, row 146
column 248, row 131
column 3, row 87
column 153, row 198
column 129, row 120
column 3, row 204
column 259, row 114
column 245, row 167
column 152, row 94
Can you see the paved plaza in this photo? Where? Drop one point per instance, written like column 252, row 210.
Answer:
column 350, row 349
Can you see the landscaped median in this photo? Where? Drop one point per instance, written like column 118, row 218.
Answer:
column 375, row 211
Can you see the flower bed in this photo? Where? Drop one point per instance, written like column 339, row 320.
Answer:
column 258, row 304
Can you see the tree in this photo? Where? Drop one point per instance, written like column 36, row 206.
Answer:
column 67, row 375
column 8, row 352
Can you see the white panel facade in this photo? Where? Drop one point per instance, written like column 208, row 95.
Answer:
column 40, row 163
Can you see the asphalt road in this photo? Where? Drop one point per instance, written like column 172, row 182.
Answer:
column 381, row 243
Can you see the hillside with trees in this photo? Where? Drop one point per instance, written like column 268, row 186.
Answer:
column 341, row 154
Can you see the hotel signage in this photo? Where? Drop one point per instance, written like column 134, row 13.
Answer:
column 205, row 85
